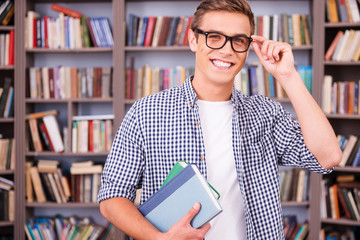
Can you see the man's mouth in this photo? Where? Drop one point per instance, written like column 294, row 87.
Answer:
column 222, row 64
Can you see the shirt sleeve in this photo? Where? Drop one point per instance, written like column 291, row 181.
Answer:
column 124, row 164
column 290, row 145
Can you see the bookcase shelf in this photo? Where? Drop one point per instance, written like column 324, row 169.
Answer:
column 347, row 169
column 6, row 224
column 7, row 120
column 342, row 221
column 343, row 116
column 65, row 154
column 73, row 100
column 295, row 204
column 6, row 68
column 69, row 51
column 342, row 63
column 341, row 25
column 62, row 205
column 6, row 28
column 6, row 172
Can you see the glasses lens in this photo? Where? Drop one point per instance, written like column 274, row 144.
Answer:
column 240, row 43
column 215, row 40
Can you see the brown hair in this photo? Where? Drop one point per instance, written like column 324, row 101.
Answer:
column 236, row 6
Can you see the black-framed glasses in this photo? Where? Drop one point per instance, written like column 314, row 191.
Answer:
column 215, row 40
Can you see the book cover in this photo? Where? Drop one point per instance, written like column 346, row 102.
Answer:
column 176, row 198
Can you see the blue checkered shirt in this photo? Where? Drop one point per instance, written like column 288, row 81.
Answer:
column 165, row 127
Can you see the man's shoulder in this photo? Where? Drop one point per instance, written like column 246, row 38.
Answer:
column 164, row 98
column 255, row 102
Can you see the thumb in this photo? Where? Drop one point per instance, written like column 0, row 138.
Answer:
column 192, row 212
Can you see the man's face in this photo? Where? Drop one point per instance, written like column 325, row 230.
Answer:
column 219, row 66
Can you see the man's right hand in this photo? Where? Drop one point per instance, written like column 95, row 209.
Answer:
column 183, row 229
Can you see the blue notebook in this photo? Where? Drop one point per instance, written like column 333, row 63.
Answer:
column 176, row 198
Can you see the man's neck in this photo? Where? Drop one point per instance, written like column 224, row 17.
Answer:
column 212, row 92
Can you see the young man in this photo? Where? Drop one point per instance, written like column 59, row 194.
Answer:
column 237, row 141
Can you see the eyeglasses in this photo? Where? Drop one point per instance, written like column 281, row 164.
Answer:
column 215, row 40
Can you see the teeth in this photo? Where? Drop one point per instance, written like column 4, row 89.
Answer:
column 221, row 64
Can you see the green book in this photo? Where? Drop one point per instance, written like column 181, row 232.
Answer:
column 178, row 167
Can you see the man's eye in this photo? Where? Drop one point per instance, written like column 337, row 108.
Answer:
column 214, row 36
column 239, row 40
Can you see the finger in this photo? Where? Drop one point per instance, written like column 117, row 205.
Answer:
column 258, row 38
column 265, row 49
column 192, row 212
column 270, row 52
column 204, row 229
column 276, row 52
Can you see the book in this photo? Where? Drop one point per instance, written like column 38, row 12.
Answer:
column 176, row 198
column 177, row 168
column 348, row 149
column 330, row 51
column 53, row 130
column 65, row 10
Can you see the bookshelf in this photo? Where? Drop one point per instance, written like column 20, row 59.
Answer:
column 7, row 124
column 118, row 57
column 68, row 107
column 344, row 124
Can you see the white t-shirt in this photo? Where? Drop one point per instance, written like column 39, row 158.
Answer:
column 216, row 124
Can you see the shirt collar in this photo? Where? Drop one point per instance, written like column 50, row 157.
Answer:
column 191, row 97
column 189, row 92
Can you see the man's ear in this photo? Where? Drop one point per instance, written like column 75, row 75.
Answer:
column 192, row 40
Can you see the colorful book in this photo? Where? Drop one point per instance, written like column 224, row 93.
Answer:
column 178, row 167
column 176, row 198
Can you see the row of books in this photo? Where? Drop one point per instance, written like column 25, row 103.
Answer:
column 7, row 48
column 73, row 228
column 329, row 233
column 145, row 81
column 294, row 230
column 7, row 154
column 7, row 199
column 7, row 99
column 340, row 97
column 342, row 11
column 69, row 82
column 344, row 47
column 6, row 12
column 350, row 146
column 47, row 182
column 255, row 80
column 43, row 131
column 153, row 31
column 340, row 199
column 294, row 29
column 92, row 133
column 67, row 31
column 294, row 184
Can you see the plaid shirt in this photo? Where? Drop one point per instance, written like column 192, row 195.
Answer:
column 165, row 127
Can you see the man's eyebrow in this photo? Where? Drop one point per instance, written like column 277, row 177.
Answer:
column 237, row 34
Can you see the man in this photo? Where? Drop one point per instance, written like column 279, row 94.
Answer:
column 237, row 141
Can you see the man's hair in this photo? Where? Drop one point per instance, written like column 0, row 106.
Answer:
column 234, row 6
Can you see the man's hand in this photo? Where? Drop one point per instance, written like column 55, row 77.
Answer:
column 276, row 57
column 183, row 230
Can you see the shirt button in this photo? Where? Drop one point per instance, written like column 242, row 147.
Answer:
column 190, row 104
column 197, row 123
column 201, row 158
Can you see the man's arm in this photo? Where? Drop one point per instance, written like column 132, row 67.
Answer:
column 319, row 137
column 124, row 215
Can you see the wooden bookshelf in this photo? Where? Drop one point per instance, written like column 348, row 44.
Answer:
column 344, row 124
column 119, row 54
